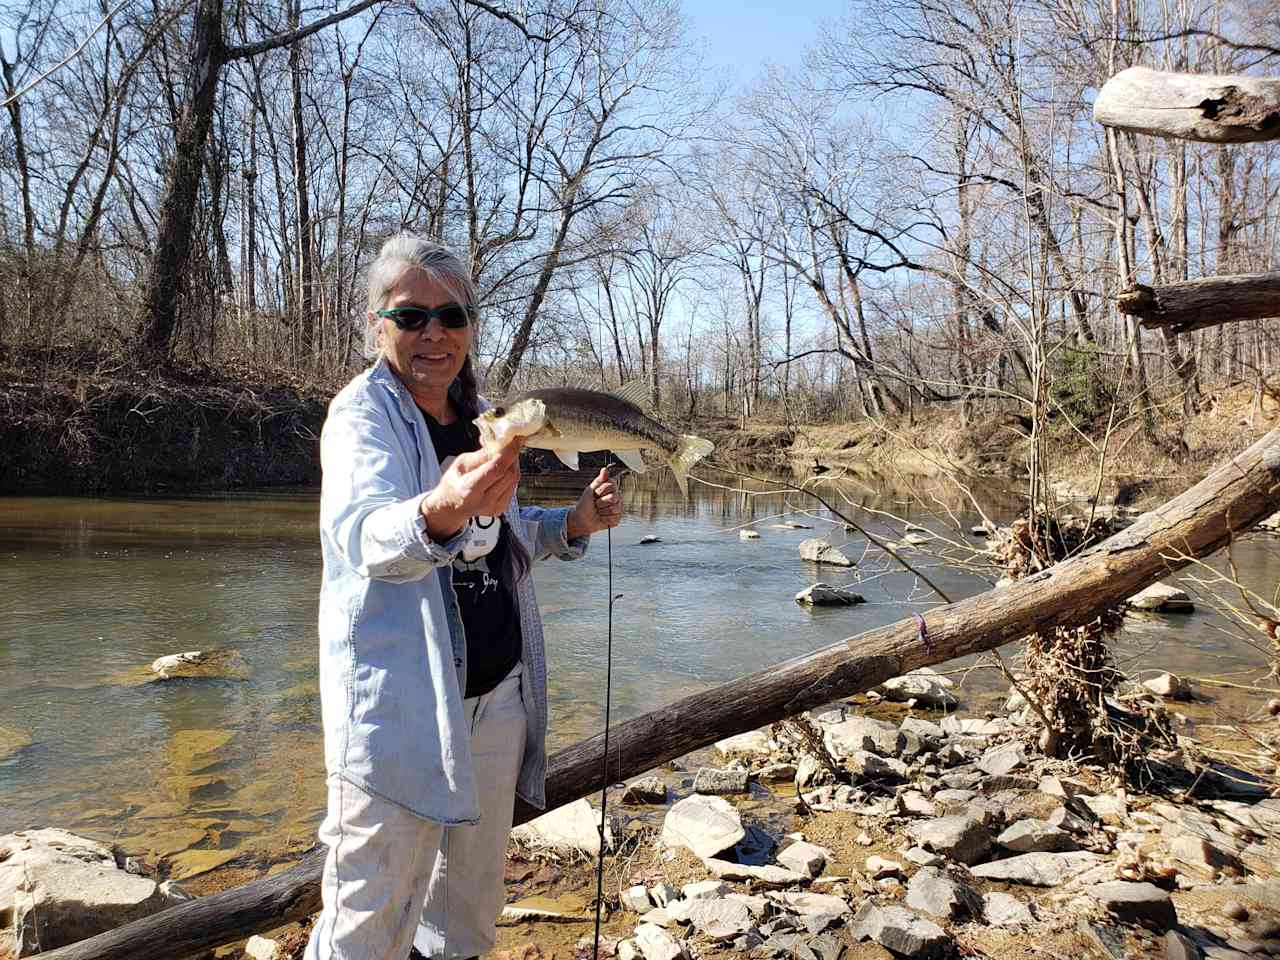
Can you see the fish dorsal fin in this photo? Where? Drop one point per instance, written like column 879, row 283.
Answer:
column 636, row 392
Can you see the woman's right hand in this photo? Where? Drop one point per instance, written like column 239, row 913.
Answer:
column 478, row 484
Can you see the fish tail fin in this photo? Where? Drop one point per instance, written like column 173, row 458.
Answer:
column 691, row 450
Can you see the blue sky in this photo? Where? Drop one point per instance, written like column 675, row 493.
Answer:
column 742, row 36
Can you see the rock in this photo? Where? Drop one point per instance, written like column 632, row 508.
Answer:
column 803, row 857
column 1064, row 819
column 1169, row 686
column 825, row 595
column 57, row 888
column 961, row 838
column 720, row 918
column 703, row 890
column 863, row 733
column 194, row 863
column 262, row 948
column 1178, row 946
column 1038, row 869
column 878, row 868
column 649, row 538
column 916, row 539
column 872, row 766
column 929, row 733
column 645, row 790
column 1063, row 787
column 705, row 825
column 627, row 950
column 748, row 535
column 1108, row 808
column 1161, row 598
column 823, row 908
column 917, row 804
column 635, row 899
column 720, row 782
column 817, row 550
column 1005, row 910
column 1143, row 903
column 777, row 772
column 1035, row 836
column 754, row 743
column 768, row 875
column 939, row 895
column 810, row 772
column 12, row 741
column 925, row 686
column 573, row 828
column 924, row 858
column 1204, row 857
column 655, row 943
column 1004, row 759
column 1235, row 910
column 901, row 932
column 663, row 893
column 215, row 664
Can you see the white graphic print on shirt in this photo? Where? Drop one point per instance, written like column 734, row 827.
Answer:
column 471, row 568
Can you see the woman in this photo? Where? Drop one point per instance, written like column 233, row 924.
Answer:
column 432, row 668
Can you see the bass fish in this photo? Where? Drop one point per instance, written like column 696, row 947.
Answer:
column 568, row 421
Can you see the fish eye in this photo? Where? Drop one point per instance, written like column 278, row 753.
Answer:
column 498, row 411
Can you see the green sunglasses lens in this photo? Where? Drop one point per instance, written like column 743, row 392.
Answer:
column 452, row 316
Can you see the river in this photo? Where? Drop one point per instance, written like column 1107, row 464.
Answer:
column 92, row 590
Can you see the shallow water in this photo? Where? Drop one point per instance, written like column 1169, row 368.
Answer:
column 92, row 590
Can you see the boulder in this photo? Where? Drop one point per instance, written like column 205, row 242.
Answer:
column 213, row 664
column 1169, row 687
column 1035, row 836
column 804, row 857
column 1005, row 910
column 916, row 539
column 1142, row 903
column 927, row 687
column 654, row 943
column 1161, row 598
column 961, row 838
column 705, row 825
column 863, row 733
column 1072, row 822
column 573, row 828
column 817, row 550
column 901, row 932
column 57, row 888
column 1038, row 869
column 825, row 595
column 645, row 790
column 939, row 895
column 720, row 782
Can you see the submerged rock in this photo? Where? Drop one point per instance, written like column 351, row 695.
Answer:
column 212, row 664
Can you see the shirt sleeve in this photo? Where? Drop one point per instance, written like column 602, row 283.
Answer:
column 370, row 501
column 547, row 528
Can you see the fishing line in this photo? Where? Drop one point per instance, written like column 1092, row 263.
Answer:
column 604, row 788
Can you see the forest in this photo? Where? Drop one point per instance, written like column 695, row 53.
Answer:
column 923, row 215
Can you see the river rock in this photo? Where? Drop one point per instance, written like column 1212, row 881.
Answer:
column 649, row 538
column 863, row 733
column 962, row 838
column 817, row 550
column 1038, row 869
column 573, row 828
column 705, row 825
column 655, row 943
column 939, row 895
column 645, row 790
column 263, row 948
column 901, row 932
column 635, row 898
column 57, row 888
column 1169, row 686
column 929, row 733
column 214, row 664
column 1108, row 808
column 1161, row 598
column 1071, row 821
column 776, row 773
column 1004, row 759
column 753, row 743
column 1005, row 910
column 720, row 782
column 804, row 857
column 873, row 766
column 924, row 858
column 766, row 875
column 1035, row 836
column 927, row 687
column 825, row 595
column 748, row 535
column 1143, row 903
column 719, row 918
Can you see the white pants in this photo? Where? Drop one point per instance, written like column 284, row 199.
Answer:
column 392, row 879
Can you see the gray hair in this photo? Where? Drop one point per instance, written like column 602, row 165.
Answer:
column 408, row 251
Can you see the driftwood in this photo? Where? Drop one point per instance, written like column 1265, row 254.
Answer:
column 1228, row 501
column 1192, row 304
column 1209, row 108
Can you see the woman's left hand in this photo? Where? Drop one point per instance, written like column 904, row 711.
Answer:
column 599, row 507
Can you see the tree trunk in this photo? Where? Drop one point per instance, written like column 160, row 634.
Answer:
column 301, row 198
column 1208, row 108
column 1195, row 304
column 1227, row 502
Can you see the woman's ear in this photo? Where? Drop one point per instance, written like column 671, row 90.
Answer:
column 374, row 321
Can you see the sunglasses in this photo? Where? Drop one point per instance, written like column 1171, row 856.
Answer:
column 452, row 316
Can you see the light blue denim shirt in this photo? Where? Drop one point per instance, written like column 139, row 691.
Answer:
column 393, row 657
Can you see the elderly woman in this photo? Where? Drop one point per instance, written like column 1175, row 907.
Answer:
column 432, row 667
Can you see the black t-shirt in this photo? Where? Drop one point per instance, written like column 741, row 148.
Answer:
column 481, row 579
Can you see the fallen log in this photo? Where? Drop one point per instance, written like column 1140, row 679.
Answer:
column 1232, row 498
column 1206, row 107
column 1193, row 304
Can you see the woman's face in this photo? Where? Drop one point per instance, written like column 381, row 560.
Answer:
column 426, row 360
